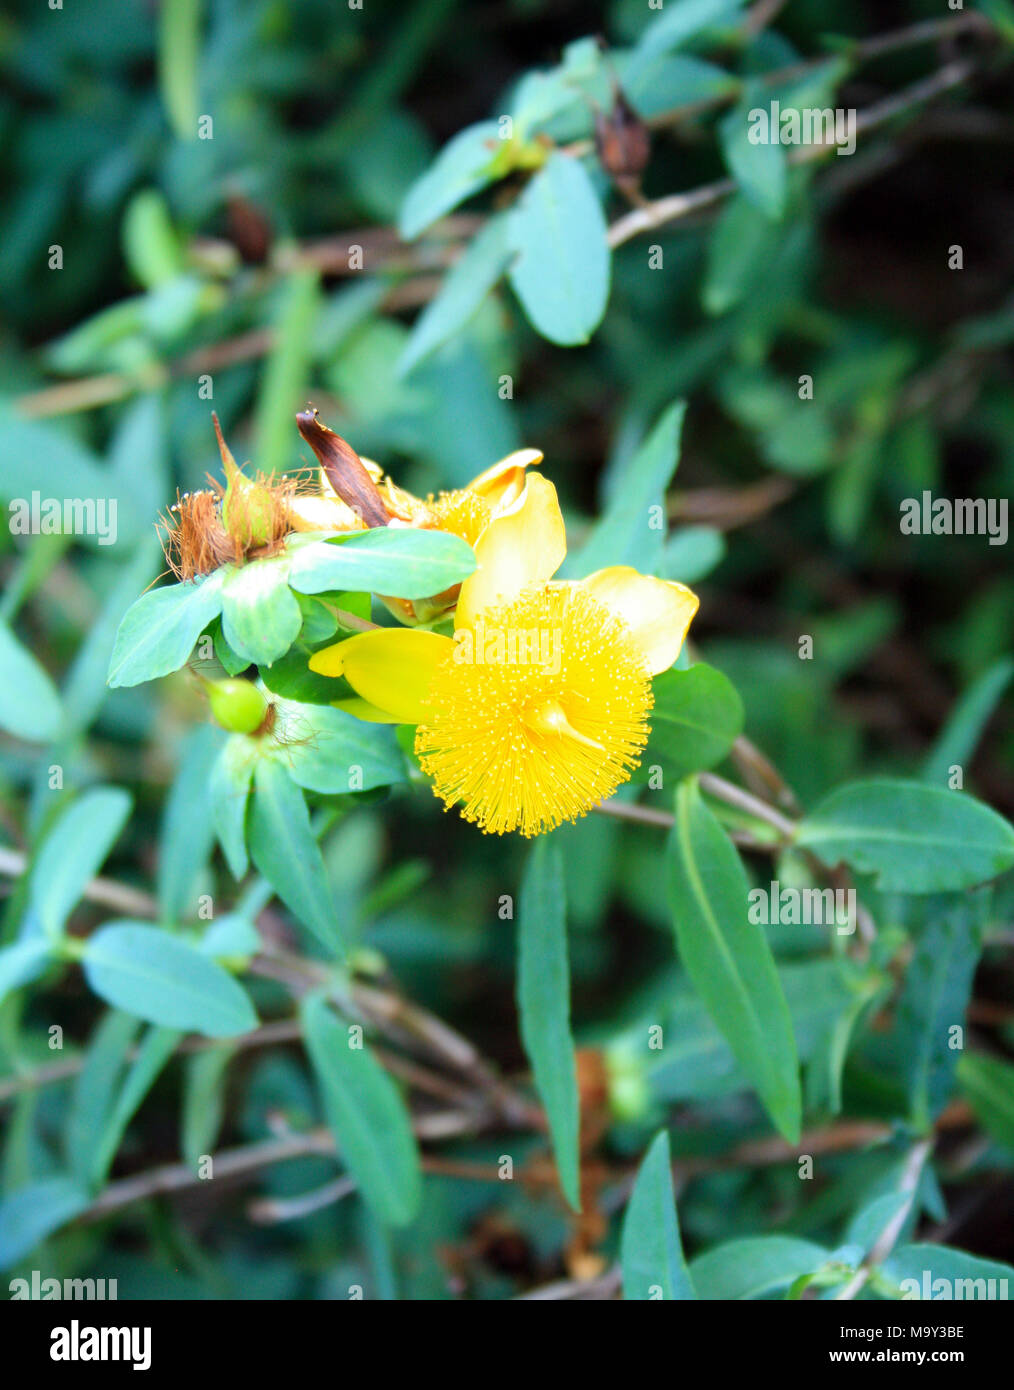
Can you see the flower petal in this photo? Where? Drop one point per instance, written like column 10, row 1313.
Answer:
column 322, row 514
column 362, row 709
column 501, row 484
column 657, row 611
column 390, row 667
column 524, row 545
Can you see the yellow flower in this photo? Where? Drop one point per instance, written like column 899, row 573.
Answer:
column 538, row 708
column 376, row 499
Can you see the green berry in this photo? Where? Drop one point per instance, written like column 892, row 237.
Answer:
column 237, row 705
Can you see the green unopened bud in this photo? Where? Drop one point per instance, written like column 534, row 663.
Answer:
column 249, row 509
column 237, row 705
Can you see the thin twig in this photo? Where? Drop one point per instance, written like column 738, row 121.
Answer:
column 886, row 1240
column 680, row 205
column 745, row 801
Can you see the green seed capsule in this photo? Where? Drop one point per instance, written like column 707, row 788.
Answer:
column 237, row 705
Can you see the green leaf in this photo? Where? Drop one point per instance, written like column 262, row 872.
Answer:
column 74, row 851
column 657, row 82
column 651, row 1255
column 624, row 535
column 728, row 957
column 367, row 1115
column 21, row 963
column 329, row 751
column 99, row 1116
column 1001, row 14
column 188, row 830
column 957, row 740
column 178, row 41
column 159, row 630
column 926, row 1261
column 696, row 718
column 988, row 1083
column 544, row 1006
column 29, row 705
column 697, row 1062
column 460, row 169
column 85, row 690
column 756, row 1267
column 204, row 1101
column 684, row 19
column 157, row 1046
column 793, row 435
column 283, row 847
column 228, row 790
column 761, row 170
column 692, row 553
column 30, row 1214
column 157, row 977
column 934, row 1000
column 150, row 244
column 231, row 935
column 463, row 290
column 561, row 274
column 740, row 250
column 94, row 1090
column 916, row 839
column 403, row 561
column 261, row 616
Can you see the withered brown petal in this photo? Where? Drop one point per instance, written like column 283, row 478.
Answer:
column 344, row 469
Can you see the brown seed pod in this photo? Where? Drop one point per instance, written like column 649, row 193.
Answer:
column 622, row 142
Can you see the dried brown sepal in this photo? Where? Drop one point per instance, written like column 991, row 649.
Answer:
column 344, row 468
column 193, row 538
column 248, row 518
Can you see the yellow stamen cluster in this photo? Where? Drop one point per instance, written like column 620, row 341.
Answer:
column 525, row 745
column 463, row 513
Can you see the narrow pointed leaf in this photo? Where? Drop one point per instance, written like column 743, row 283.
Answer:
column 544, row 1006
column 367, row 1115
column 283, row 847
column 74, row 851
column 728, row 957
column 651, row 1254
